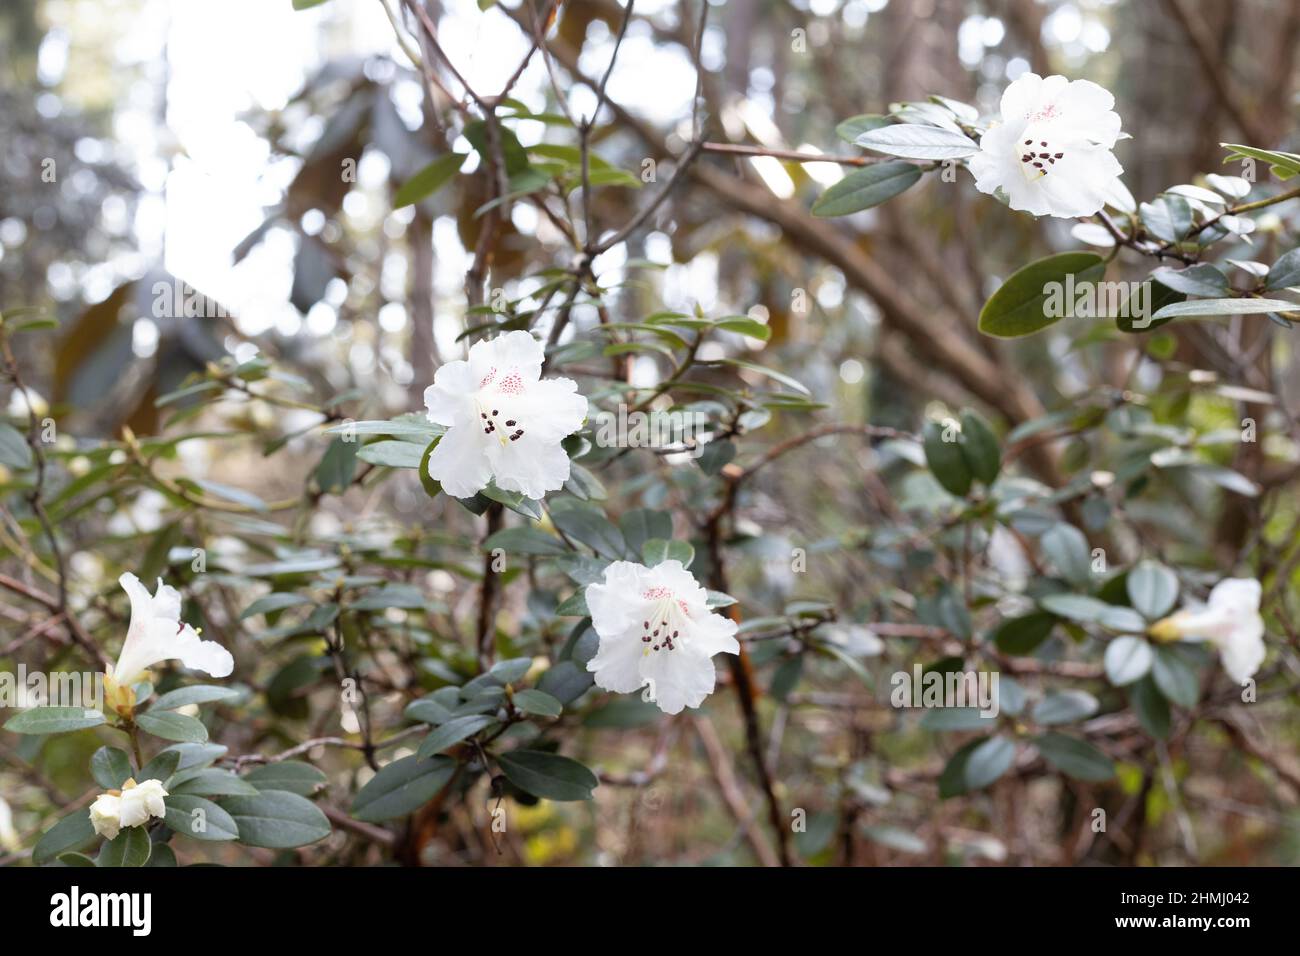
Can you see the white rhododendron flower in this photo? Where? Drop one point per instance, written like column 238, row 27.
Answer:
column 504, row 421
column 656, row 631
column 156, row 634
column 132, row 806
column 1230, row 620
column 1051, row 153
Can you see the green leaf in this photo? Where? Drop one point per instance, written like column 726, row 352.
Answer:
column 976, row 765
column 130, row 847
column 162, row 856
column 1201, row 279
column 1022, row 304
column 1243, row 306
column 980, row 447
column 1067, row 548
column 1284, row 165
column 592, row 528
column 73, row 832
column 161, row 767
column 110, row 767
column 337, row 466
column 1127, row 659
column 196, row 694
column 1076, row 607
column 53, row 720
column 77, row 859
column 392, row 454
column 850, row 129
column 307, row 4
column 210, row 782
column 229, row 493
column 1167, row 217
column 1151, row 708
column 511, row 670
column 1152, row 589
column 945, row 458
column 402, row 787
column 1065, row 707
column 277, row 819
column 525, row 540
column 513, row 500
column 866, row 187
column 1138, row 315
column 1023, row 635
column 14, row 450
column 914, row 141
column 1175, row 677
column 776, row 376
column 452, row 732
column 1074, row 757
column 549, row 776
column 746, row 325
column 293, row 776
column 715, row 456
column 432, row 487
column 575, row 605
column 429, row 180
column 272, row 603
column 656, row 551
column 199, row 818
column 1284, row 272
column 538, row 703
column 172, row 726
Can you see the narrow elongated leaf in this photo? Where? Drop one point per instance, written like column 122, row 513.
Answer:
column 402, row 787
column 199, row 818
column 866, row 187
column 429, row 180
column 1243, row 306
column 73, row 832
column 53, row 720
column 1035, row 296
column 277, row 819
column 173, row 726
column 1074, row 757
column 914, row 141
column 546, row 775
column 290, row 775
column 945, row 458
column 198, row 694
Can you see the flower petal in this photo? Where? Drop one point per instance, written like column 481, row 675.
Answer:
column 681, row 678
column 529, row 466
column 460, row 463
column 448, row 398
column 615, row 604
column 493, row 360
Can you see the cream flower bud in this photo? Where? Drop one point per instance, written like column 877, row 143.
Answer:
column 141, row 801
column 106, row 815
column 132, row 806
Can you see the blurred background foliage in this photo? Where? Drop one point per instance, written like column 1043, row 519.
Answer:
column 230, row 267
